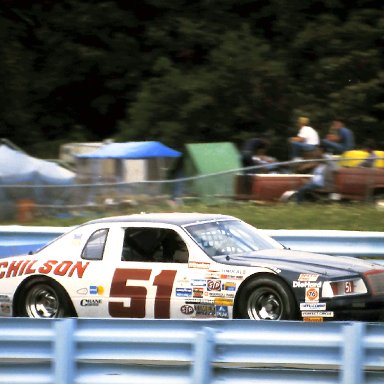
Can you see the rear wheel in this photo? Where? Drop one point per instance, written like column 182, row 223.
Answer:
column 44, row 299
column 266, row 298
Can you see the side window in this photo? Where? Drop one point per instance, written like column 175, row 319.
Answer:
column 154, row 245
column 94, row 248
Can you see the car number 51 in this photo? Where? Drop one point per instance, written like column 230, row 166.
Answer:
column 122, row 288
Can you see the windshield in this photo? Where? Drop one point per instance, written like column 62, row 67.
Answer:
column 230, row 237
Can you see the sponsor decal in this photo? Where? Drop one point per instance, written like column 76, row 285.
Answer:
column 198, row 292
column 187, row 309
column 223, row 301
column 198, row 264
column 205, row 310
column 313, row 319
column 214, row 285
column 183, row 292
column 5, row 298
column 28, row 267
column 213, row 275
column 76, row 239
column 93, row 290
column 219, row 294
column 229, row 286
column 184, row 282
column 308, row 277
column 230, row 277
column 306, row 284
column 234, row 271
column 313, row 306
column 317, row 314
column 199, row 301
column 222, row 312
column 198, row 283
column 90, row 302
column 82, row 291
column 312, row 294
column 96, row 290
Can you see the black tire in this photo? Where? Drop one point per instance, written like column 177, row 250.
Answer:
column 43, row 298
column 266, row 298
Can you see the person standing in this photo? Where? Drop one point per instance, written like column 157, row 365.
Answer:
column 339, row 139
column 307, row 139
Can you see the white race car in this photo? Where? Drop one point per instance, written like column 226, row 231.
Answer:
column 185, row 265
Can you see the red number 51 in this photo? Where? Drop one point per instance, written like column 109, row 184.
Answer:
column 138, row 294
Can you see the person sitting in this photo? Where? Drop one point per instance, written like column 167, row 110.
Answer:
column 254, row 153
column 307, row 139
column 339, row 139
column 369, row 162
column 323, row 175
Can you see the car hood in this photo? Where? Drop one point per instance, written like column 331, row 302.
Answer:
column 302, row 262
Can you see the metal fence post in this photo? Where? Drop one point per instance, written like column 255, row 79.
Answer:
column 64, row 352
column 353, row 354
column 203, row 356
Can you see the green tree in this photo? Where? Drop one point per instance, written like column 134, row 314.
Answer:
column 16, row 70
column 181, row 71
column 75, row 66
column 239, row 93
column 338, row 71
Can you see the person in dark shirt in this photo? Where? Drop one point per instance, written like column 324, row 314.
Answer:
column 339, row 139
column 254, row 153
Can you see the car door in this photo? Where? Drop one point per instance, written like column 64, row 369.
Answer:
column 152, row 280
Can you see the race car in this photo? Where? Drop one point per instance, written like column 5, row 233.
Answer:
column 183, row 266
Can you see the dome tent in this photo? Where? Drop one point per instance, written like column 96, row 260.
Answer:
column 19, row 168
column 26, row 177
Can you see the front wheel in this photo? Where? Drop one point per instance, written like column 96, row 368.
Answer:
column 266, row 298
column 44, row 299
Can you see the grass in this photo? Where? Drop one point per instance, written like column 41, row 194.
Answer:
column 359, row 217
column 313, row 216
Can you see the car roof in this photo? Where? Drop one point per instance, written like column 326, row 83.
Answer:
column 176, row 218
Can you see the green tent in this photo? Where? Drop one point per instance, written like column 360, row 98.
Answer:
column 212, row 163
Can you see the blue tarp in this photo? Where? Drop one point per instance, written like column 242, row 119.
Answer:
column 19, row 168
column 132, row 150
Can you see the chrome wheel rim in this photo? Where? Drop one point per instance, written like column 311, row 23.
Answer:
column 42, row 302
column 264, row 304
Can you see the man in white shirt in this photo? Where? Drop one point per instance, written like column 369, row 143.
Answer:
column 306, row 140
